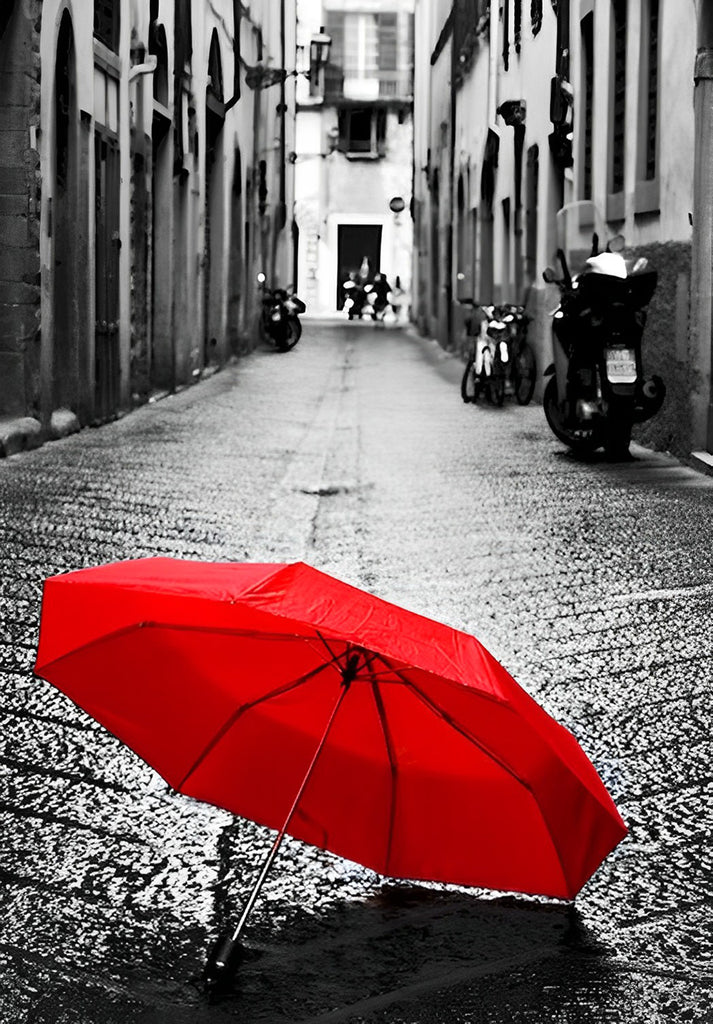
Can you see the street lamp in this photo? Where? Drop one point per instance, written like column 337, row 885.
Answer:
column 261, row 77
column 319, row 49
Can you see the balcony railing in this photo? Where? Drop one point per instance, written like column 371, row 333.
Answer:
column 383, row 85
column 396, row 84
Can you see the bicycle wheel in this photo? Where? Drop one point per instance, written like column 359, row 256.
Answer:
column 524, row 374
column 469, row 385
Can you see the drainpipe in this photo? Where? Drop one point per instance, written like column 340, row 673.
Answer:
column 492, row 66
column 281, row 212
column 702, row 255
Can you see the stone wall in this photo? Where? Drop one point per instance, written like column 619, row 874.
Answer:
column 665, row 348
column 19, row 212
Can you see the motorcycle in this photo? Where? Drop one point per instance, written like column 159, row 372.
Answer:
column 280, row 316
column 597, row 390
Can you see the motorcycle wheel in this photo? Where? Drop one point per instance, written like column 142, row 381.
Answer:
column 469, row 385
column 262, row 330
column 496, row 384
column 584, row 440
column 524, row 374
column 293, row 332
column 617, row 436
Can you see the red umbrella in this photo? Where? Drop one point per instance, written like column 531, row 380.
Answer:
column 310, row 706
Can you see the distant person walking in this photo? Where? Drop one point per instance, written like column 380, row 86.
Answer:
column 379, row 294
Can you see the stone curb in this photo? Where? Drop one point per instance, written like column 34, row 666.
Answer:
column 19, row 435
column 25, row 432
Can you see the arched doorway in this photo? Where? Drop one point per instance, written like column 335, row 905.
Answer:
column 64, row 355
column 162, row 360
column 435, row 250
column 213, row 349
column 236, row 269
column 107, row 240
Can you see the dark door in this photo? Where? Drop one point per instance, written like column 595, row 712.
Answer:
column 108, row 371
column 354, row 242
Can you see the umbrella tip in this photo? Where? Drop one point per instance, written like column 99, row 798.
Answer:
column 221, row 966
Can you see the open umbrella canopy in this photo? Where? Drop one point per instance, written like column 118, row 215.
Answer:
column 227, row 678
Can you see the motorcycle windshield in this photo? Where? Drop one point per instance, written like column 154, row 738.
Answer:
column 581, row 232
column 584, row 239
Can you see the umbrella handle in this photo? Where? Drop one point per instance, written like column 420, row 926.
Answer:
column 224, row 958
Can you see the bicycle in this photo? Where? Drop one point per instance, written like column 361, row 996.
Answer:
column 523, row 366
column 487, row 367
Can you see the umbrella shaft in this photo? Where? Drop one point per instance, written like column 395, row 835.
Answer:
column 281, row 834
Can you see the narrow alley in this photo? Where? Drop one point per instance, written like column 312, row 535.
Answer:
column 590, row 582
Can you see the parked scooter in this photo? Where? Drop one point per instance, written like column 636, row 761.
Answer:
column 597, row 390
column 280, row 316
column 487, row 366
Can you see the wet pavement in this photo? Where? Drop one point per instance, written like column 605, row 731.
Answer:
column 591, row 582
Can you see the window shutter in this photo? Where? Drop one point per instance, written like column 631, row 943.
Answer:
column 619, row 89
column 652, row 88
column 334, row 27
column 388, row 41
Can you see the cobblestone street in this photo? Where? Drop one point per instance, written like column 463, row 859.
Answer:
column 591, row 582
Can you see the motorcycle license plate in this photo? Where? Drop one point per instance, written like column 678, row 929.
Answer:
column 621, row 365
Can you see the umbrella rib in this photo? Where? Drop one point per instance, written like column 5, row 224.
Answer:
column 151, row 624
column 331, row 652
column 227, row 725
column 489, row 753
column 440, row 713
column 391, row 752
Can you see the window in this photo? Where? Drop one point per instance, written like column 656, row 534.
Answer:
column 505, row 14
column 363, row 44
column 587, row 94
column 536, row 16
column 650, row 82
column 563, row 43
column 106, row 23
column 618, row 101
column 362, row 131
column 371, row 54
column 360, row 58
column 158, row 46
column 531, row 195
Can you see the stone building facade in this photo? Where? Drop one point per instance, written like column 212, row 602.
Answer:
column 143, row 185
column 523, row 108
column 354, row 147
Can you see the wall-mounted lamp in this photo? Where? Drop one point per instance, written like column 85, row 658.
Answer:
column 261, row 77
column 319, row 48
